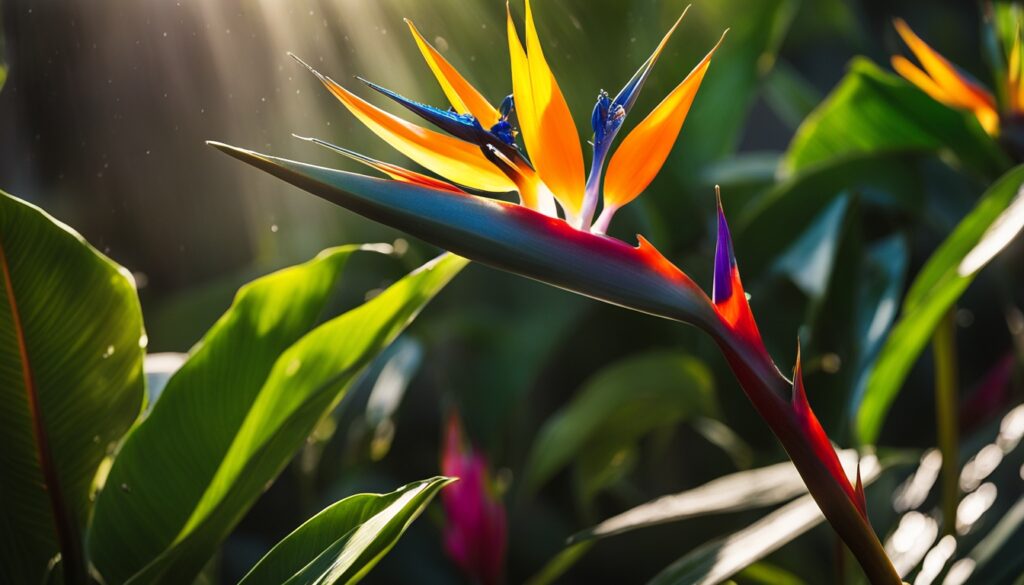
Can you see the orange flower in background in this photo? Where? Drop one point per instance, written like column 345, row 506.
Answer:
column 946, row 84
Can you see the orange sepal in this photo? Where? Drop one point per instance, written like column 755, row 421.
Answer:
column 643, row 152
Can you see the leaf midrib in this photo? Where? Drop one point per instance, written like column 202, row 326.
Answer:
column 64, row 525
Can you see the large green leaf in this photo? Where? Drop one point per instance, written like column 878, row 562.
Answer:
column 71, row 384
column 344, row 541
column 236, row 412
column 994, row 222
column 874, row 111
column 619, row 405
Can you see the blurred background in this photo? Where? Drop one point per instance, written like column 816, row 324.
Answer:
column 102, row 123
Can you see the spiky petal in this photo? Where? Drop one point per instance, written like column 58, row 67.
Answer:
column 644, row 150
column 465, row 98
column 819, row 442
column 943, row 82
column 608, row 117
column 453, row 159
column 727, row 290
column 545, row 122
column 394, row 171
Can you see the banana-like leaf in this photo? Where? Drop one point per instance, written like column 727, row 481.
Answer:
column 71, row 384
column 990, row 227
column 744, row 490
column 344, row 541
column 618, row 406
column 232, row 417
column 873, row 111
column 719, row 559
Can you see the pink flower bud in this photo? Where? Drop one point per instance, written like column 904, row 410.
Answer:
column 475, row 535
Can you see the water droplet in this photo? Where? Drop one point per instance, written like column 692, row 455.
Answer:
column 273, row 227
column 143, row 341
column 109, row 352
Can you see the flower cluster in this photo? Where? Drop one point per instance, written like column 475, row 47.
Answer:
column 481, row 149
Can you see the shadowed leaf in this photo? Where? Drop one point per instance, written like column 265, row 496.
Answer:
column 71, row 384
column 616, row 407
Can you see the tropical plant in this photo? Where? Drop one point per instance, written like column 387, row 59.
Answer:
column 530, row 238
column 98, row 490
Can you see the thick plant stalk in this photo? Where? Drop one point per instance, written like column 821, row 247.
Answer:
column 765, row 386
column 946, row 397
column 523, row 241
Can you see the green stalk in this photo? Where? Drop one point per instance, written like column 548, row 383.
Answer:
column 946, row 397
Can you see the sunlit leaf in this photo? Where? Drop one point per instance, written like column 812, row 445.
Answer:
column 237, row 411
column 71, row 383
column 720, row 559
column 996, row 558
column 344, row 541
column 874, row 111
column 745, row 490
column 994, row 222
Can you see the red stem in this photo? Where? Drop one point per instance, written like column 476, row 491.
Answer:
column 767, row 389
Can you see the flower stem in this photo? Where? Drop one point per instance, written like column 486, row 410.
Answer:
column 768, row 389
column 946, row 396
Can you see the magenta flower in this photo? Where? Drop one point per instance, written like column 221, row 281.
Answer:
column 475, row 534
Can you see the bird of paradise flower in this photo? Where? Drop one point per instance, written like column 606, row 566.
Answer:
column 949, row 85
column 481, row 152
